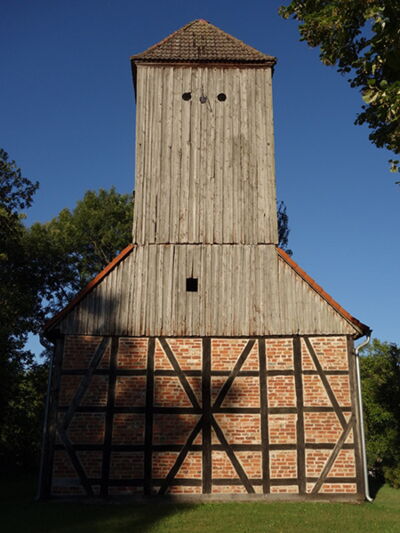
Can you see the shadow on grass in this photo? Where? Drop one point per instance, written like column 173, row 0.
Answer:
column 20, row 513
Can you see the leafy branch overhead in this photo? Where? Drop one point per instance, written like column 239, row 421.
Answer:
column 362, row 38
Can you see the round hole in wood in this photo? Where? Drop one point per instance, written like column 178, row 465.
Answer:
column 203, row 99
column 186, row 96
column 221, row 97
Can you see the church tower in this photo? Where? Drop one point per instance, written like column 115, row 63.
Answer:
column 205, row 203
column 203, row 360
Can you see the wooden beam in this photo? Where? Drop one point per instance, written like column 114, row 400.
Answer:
column 264, row 415
column 301, row 454
column 105, row 474
column 148, row 437
column 206, row 429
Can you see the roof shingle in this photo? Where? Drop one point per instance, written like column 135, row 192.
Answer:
column 200, row 41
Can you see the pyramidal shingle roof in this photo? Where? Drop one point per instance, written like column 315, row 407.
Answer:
column 200, row 41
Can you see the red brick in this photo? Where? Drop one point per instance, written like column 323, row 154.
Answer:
column 130, row 391
column 279, row 354
column 132, row 353
column 281, row 391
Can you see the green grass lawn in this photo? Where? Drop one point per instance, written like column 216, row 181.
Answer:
column 20, row 514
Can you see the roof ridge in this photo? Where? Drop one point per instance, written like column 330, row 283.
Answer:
column 327, row 297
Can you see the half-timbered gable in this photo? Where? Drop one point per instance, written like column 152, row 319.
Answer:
column 203, row 361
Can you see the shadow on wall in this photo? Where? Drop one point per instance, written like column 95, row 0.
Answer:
column 104, row 424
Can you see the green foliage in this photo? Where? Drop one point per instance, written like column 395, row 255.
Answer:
column 21, row 429
column 76, row 245
column 283, row 228
column 41, row 267
column 380, row 375
column 360, row 37
column 20, row 311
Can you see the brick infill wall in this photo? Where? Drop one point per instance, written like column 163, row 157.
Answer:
column 206, row 416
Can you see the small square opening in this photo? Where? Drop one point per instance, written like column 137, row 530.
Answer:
column 191, row 284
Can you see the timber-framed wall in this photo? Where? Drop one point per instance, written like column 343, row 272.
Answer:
column 198, row 416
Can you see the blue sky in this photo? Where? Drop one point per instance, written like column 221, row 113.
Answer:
column 67, row 117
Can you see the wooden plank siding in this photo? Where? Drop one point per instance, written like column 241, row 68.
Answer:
column 204, row 171
column 242, row 290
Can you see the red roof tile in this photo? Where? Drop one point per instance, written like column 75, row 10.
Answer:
column 200, row 41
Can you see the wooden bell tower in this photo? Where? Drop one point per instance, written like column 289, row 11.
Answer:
column 203, row 360
column 205, row 201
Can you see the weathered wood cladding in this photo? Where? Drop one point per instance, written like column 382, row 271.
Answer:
column 242, row 290
column 204, row 171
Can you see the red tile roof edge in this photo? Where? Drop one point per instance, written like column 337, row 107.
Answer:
column 89, row 287
column 364, row 329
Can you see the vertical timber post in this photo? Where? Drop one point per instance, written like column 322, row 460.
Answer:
column 301, row 459
column 206, row 398
column 148, row 437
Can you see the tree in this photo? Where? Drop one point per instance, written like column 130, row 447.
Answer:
column 283, row 228
column 20, row 302
column 76, row 245
column 360, row 37
column 380, row 375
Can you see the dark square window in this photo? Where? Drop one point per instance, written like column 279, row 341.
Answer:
column 191, row 284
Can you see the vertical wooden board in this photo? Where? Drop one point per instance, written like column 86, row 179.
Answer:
column 238, row 310
column 227, row 189
column 144, row 126
column 218, row 165
column 247, row 275
column 159, row 289
column 202, row 290
column 234, row 97
column 210, row 159
column 187, row 86
column 138, row 185
column 271, row 190
column 226, row 288
column 201, row 178
column 128, row 291
column 145, row 275
column 166, row 142
column 152, row 196
column 194, row 157
column 251, row 192
column 207, row 288
column 176, row 289
column 262, row 173
column 176, row 160
column 244, row 151
column 133, row 322
column 197, row 269
column 214, row 309
column 113, row 298
column 164, row 327
column 180, row 325
column 140, row 118
column 188, row 300
column 147, row 167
